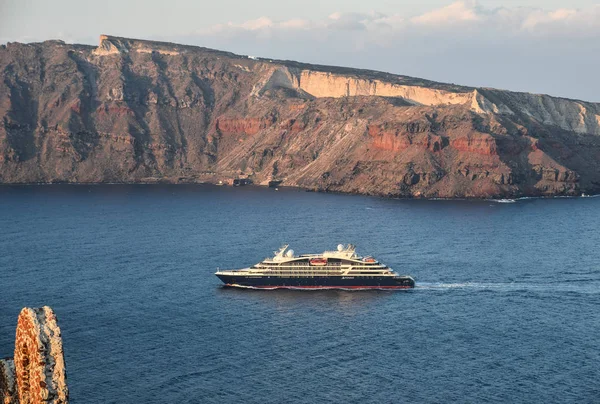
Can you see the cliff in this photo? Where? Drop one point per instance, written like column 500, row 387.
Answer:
column 143, row 111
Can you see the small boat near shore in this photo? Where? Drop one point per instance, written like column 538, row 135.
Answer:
column 339, row 269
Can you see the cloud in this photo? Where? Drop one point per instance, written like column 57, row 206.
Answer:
column 460, row 18
column 538, row 17
column 260, row 23
column 347, row 21
column 455, row 12
column 296, row 23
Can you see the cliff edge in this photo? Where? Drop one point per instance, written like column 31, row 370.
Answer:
column 143, row 111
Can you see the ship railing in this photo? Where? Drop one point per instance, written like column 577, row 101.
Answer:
column 331, row 267
column 305, row 265
column 324, row 270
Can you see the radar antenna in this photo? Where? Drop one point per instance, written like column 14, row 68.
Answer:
column 351, row 249
column 281, row 251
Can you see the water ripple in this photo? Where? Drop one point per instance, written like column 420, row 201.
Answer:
column 505, row 308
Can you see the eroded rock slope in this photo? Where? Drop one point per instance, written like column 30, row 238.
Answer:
column 139, row 111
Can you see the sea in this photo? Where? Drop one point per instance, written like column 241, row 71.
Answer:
column 506, row 306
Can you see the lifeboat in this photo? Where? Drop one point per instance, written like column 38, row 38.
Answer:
column 318, row 261
column 369, row 259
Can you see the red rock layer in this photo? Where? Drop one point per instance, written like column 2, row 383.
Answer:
column 478, row 143
column 398, row 140
column 243, row 126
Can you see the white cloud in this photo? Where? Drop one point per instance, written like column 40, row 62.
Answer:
column 571, row 22
column 456, row 16
column 259, row 23
column 296, row 23
column 455, row 12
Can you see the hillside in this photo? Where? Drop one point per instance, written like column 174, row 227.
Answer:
column 142, row 111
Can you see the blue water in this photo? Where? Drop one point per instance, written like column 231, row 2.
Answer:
column 506, row 309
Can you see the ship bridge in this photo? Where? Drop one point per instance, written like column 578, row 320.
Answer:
column 343, row 252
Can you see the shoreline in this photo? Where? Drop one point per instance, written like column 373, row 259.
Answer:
column 254, row 185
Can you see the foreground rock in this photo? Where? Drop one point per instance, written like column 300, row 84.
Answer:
column 8, row 382
column 141, row 111
column 37, row 374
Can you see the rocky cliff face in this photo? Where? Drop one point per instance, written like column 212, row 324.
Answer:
column 140, row 111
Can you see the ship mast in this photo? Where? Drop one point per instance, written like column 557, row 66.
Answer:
column 281, row 251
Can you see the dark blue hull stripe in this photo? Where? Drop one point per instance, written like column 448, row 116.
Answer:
column 319, row 282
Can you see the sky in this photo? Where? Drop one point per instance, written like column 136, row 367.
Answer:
column 549, row 46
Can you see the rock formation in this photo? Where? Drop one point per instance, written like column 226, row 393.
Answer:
column 38, row 373
column 8, row 383
column 143, row 111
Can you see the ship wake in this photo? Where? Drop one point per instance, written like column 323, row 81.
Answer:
column 566, row 287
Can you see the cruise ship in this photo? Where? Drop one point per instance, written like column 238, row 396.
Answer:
column 339, row 269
